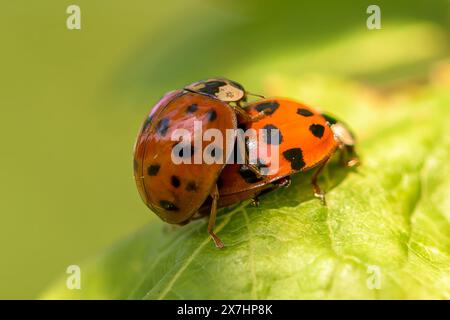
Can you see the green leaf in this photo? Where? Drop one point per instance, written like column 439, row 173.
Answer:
column 385, row 232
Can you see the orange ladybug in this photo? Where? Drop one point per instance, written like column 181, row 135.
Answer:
column 306, row 139
column 175, row 192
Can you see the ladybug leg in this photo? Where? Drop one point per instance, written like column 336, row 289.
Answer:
column 318, row 193
column 212, row 218
column 252, row 167
column 280, row 183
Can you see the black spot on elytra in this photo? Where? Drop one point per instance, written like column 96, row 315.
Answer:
column 215, row 151
column 153, row 169
column 295, row 157
column 248, row 175
column 212, row 87
column 211, row 115
column 162, row 126
column 168, row 205
column 181, row 151
column 329, row 118
column 191, row 186
column 271, row 105
column 147, row 122
column 270, row 129
column 317, row 130
column 304, row 112
column 192, row 108
column 175, row 181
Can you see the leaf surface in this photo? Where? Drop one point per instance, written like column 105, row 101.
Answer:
column 385, row 232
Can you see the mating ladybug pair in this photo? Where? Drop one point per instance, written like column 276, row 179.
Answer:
column 178, row 193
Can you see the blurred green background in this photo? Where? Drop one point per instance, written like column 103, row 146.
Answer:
column 73, row 100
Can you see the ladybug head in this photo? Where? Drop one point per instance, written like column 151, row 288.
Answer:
column 342, row 134
column 219, row 88
column 345, row 138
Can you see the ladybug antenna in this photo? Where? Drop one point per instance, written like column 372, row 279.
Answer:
column 254, row 94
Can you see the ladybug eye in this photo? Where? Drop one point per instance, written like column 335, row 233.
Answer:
column 329, row 119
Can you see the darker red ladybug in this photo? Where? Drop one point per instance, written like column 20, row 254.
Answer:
column 175, row 192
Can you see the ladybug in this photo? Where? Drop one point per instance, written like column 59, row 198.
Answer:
column 305, row 138
column 175, row 192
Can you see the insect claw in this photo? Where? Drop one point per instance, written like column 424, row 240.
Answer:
column 321, row 197
column 353, row 162
column 219, row 244
column 255, row 202
column 286, row 182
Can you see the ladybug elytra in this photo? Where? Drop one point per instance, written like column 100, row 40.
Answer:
column 175, row 192
column 307, row 139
